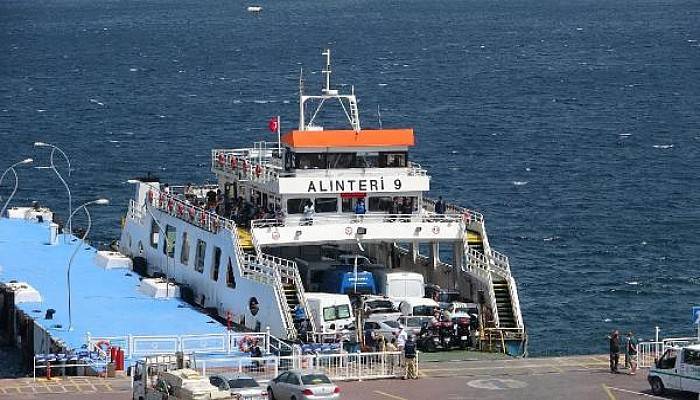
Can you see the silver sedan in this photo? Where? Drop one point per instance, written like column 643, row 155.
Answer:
column 298, row 385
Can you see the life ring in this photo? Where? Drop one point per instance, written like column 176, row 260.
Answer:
column 180, row 209
column 436, row 229
column 234, row 162
column 348, row 230
column 246, row 343
column 221, row 159
column 258, row 170
column 100, row 343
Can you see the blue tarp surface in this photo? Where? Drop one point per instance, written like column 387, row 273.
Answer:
column 104, row 302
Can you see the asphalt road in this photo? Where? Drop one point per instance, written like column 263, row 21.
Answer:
column 568, row 378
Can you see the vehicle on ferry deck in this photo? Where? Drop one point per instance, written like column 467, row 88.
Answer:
column 418, row 306
column 331, row 312
column 283, row 213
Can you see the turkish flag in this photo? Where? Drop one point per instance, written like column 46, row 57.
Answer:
column 273, row 124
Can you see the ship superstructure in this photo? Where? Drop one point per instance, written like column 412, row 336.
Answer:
column 253, row 245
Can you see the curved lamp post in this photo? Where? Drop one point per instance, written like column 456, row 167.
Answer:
column 55, row 148
column 12, row 169
column 80, row 244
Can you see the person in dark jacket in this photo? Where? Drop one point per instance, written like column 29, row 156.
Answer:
column 409, row 353
column 614, row 340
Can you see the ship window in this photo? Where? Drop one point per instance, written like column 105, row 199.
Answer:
column 340, row 160
column 230, row 278
column 380, row 203
column 296, row 206
column 216, row 262
column 392, row 160
column 155, row 234
column 185, row 250
column 169, row 245
column 199, row 258
column 326, row 204
column 367, row 160
column 310, row 160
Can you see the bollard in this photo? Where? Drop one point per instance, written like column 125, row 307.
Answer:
column 120, row 359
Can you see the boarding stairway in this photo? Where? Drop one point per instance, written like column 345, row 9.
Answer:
column 281, row 273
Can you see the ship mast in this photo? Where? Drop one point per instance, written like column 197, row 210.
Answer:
column 347, row 101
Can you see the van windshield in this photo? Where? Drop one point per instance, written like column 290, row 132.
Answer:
column 423, row 310
column 336, row 312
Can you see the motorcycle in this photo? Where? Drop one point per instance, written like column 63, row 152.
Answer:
column 462, row 337
column 435, row 335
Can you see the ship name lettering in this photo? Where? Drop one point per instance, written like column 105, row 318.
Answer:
column 350, row 185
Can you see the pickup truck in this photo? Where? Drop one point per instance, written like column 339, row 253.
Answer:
column 677, row 369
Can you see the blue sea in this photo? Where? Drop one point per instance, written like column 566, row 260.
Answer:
column 574, row 126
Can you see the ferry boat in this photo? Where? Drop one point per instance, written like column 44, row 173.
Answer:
column 253, row 246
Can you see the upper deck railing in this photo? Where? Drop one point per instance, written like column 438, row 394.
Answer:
column 334, row 219
column 261, row 165
column 469, row 215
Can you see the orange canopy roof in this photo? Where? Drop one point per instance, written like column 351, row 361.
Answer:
column 350, row 138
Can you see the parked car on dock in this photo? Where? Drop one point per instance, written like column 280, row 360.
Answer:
column 677, row 369
column 241, row 387
column 302, row 386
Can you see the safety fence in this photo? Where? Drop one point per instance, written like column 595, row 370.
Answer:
column 649, row 352
column 215, row 343
column 343, row 366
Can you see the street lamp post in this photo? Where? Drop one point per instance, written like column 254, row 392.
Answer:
column 12, row 169
column 80, row 244
column 55, row 148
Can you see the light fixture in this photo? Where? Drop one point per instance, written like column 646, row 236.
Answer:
column 361, row 230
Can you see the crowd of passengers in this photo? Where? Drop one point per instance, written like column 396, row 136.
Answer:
column 242, row 211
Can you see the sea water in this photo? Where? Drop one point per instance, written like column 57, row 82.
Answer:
column 572, row 125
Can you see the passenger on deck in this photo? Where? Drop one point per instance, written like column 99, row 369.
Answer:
column 360, row 209
column 309, row 211
column 189, row 192
column 394, row 209
column 439, row 206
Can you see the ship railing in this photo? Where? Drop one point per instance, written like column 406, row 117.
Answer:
column 136, row 346
column 501, row 261
column 470, row 216
column 261, row 164
column 184, row 210
column 332, row 219
column 342, row 366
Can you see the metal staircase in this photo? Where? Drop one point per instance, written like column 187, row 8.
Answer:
column 285, row 278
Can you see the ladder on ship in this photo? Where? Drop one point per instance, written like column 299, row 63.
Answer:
column 504, row 304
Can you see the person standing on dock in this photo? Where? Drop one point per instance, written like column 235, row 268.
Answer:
column 632, row 343
column 614, row 340
column 409, row 353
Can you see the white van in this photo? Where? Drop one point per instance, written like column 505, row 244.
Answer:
column 677, row 369
column 400, row 285
column 418, row 307
column 331, row 312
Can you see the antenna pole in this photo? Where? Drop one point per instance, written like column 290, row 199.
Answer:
column 302, row 123
column 327, row 71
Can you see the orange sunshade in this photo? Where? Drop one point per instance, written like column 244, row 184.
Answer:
column 350, row 138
